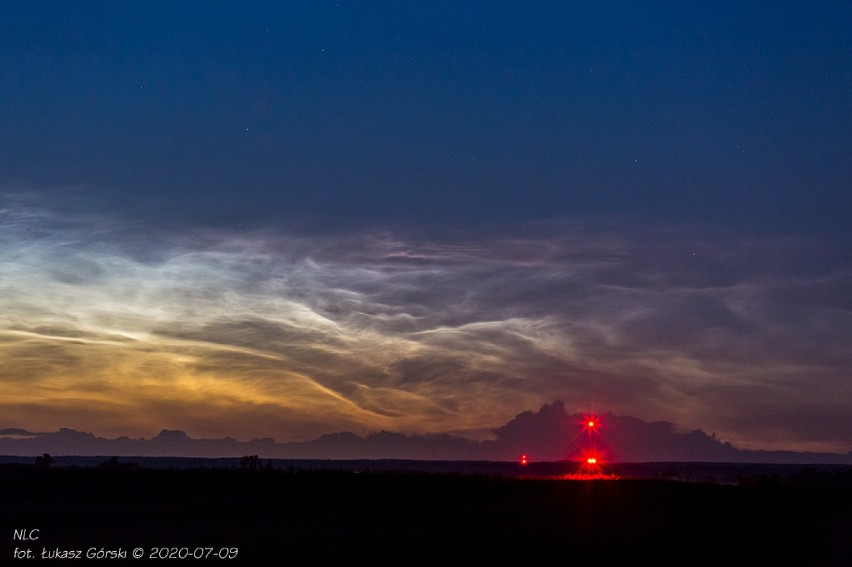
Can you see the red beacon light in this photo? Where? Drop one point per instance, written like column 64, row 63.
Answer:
column 590, row 422
column 592, row 449
column 524, row 460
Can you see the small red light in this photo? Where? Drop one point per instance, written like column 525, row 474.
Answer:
column 590, row 422
column 592, row 460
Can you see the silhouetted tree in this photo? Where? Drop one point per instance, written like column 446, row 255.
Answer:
column 250, row 463
column 44, row 461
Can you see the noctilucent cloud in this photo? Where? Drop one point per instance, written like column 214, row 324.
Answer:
column 284, row 220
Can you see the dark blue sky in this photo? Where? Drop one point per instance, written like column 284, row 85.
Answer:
column 718, row 113
column 287, row 219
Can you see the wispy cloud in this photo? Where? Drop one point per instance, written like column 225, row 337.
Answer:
column 126, row 329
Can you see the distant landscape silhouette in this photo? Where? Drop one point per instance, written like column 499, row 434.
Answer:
column 546, row 435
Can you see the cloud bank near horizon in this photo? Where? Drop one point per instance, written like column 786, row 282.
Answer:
column 547, row 435
column 270, row 332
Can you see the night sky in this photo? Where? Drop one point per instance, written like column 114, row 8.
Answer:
column 287, row 219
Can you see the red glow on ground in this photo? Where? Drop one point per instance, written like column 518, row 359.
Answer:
column 590, row 469
column 589, row 476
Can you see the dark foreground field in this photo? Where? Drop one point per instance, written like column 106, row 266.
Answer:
column 305, row 518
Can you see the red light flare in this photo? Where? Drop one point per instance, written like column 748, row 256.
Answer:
column 590, row 423
column 592, row 447
column 524, row 460
column 591, row 461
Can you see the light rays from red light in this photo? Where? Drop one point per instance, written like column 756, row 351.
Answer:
column 591, row 461
column 591, row 423
column 592, row 449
